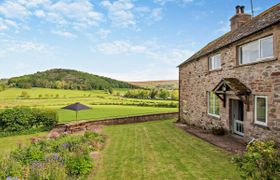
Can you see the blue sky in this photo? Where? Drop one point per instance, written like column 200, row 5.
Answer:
column 130, row 40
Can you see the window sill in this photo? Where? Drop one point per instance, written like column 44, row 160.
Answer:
column 214, row 116
column 257, row 62
column 264, row 126
column 214, row 70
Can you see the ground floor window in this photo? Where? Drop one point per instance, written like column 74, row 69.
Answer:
column 261, row 108
column 213, row 104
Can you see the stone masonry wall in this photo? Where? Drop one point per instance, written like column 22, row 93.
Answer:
column 263, row 78
column 86, row 125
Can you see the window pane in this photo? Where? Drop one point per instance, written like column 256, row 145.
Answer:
column 215, row 62
column 249, row 53
column 214, row 104
column 267, row 47
column 217, row 110
column 261, row 109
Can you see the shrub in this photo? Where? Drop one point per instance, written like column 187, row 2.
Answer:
column 23, row 119
column 29, row 154
column 16, row 119
column 79, row 164
column 46, row 118
column 218, row 131
column 260, row 161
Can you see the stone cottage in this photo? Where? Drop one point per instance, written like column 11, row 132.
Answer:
column 234, row 81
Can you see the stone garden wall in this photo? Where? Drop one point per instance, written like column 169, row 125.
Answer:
column 87, row 125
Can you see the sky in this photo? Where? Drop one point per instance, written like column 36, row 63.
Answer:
column 130, row 40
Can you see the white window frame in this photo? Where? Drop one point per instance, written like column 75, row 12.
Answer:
column 259, row 49
column 266, row 111
column 210, row 62
column 208, row 104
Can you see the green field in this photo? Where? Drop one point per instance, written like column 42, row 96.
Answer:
column 103, row 105
column 158, row 150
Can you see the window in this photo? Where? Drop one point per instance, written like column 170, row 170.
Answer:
column 213, row 104
column 256, row 50
column 215, row 62
column 261, row 110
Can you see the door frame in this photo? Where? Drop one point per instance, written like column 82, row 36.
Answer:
column 232, row 121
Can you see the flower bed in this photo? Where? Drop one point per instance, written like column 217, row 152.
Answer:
column 65, row 157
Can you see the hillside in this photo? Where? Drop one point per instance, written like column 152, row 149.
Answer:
column 164, row 84
column 67, row 79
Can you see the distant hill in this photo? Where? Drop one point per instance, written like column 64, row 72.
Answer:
column 163, row 84
column 67, row 79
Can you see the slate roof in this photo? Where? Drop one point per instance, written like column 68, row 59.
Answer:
column 258, row 23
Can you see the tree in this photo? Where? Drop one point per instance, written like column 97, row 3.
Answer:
column 163, row 94
column 153, row 93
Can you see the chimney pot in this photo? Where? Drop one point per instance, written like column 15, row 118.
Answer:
column 238, row 9
column 242, row 9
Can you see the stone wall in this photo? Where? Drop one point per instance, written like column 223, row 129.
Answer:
column 86, row 125
column 263, row 78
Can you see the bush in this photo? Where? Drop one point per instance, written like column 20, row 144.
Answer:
column 16, row 119
column 45, row 118
column 28, row 155
column 218, row 131
column 260, row 161
column 79, row 164
column 22, row 119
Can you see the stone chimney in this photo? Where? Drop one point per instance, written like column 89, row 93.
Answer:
column 240, row 18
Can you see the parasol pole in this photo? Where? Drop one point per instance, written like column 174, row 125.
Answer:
column 76, row 115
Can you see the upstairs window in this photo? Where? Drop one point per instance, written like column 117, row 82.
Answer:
column 256, row 51
column 213, row 104
column 215, row 62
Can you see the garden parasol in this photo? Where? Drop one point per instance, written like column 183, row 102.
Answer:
column 76, row 107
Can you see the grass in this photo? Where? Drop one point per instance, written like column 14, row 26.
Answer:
column 109, row 111
column 60, row 97
column 8, row 144
column 100, row 101
column 158, row 150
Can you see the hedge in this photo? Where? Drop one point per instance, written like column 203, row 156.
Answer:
column 22, row 119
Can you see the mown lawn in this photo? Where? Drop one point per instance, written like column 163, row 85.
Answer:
column 158, row 150
column 8, row 144
column 109, row 111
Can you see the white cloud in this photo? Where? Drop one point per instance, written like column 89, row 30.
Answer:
column 120, row 12
column 103, row 33
column 39, row 13
column 149, row 50
column 6, row 24
column 149, row 72
column 11, row 46
column 65, row 34
column 156, row 14
column 13, row 9
column 77, row 14
column 120, row 47
column 181, row 2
